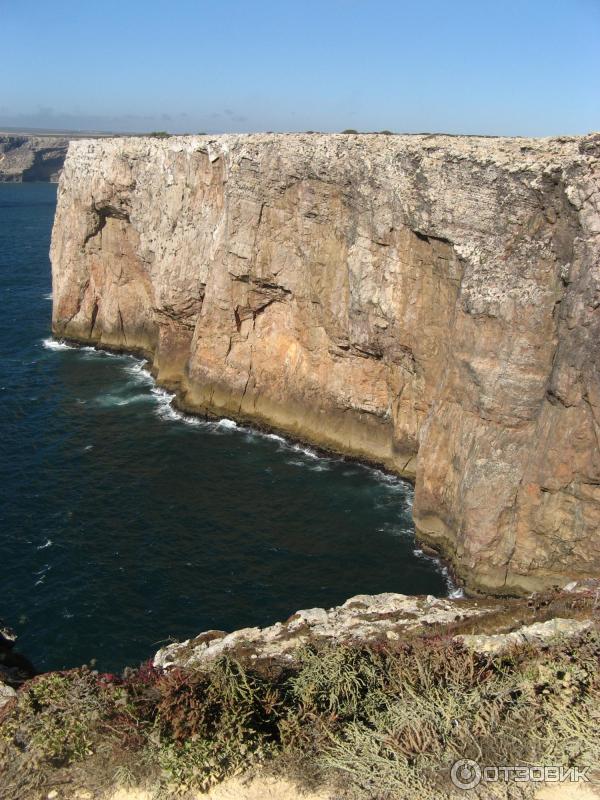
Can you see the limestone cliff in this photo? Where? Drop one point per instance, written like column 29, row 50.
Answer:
column 427, row 302
column 31, row 158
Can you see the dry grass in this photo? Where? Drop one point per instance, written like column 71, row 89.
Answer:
column 377, row 723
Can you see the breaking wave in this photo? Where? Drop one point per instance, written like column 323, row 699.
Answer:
column 56, row 344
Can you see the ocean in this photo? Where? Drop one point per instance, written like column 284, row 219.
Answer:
column 124, row 524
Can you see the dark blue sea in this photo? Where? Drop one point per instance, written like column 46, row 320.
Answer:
column 123, row 524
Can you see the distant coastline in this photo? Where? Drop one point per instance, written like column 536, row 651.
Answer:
column 29, row 155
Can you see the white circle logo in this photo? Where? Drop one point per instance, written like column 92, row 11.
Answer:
column 465, row 774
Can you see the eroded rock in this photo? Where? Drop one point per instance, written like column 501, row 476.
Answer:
column 31, row 158
column 430, row 303
column 539, row 633
column 6, row 694
column 363, row 619
column 15, row 669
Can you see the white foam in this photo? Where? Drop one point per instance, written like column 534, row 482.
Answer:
column 391, row 481
column 166, row 411
column 48, row 296
column 48, row 543
column 454, row 592
column 275, row 437
column 227, row 423
column 162, row 394
column 90, row 351
column 56, row 344
column 304, row 450
column 135, row 398
column 187, row 419
column 432, row 559
column 139, row 373
column 110, row 400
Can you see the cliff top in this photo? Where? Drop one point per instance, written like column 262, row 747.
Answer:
column 496, row 147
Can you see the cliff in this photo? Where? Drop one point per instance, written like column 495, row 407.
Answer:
column 31, row 158
column 426, row 302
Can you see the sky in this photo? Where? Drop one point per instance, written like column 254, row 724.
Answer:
column 505, row 67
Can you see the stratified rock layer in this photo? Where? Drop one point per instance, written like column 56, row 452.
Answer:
column 31, row 158
column 427, row 302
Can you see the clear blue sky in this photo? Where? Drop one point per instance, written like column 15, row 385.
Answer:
column 528, row 67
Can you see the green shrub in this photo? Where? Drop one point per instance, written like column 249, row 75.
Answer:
column 337, row 681
column 382, row 722
column 58, row 715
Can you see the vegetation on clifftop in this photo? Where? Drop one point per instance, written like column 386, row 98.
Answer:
column 383, row 722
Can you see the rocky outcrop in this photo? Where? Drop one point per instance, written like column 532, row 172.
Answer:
column 490, row 627
column 15, row 669
column 538, row 634
column 430, row 303
column 361, row 620
column 31, row 158
column 7, row 636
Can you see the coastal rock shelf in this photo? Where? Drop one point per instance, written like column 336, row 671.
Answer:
column 430, row 303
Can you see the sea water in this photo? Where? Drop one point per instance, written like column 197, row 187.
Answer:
column 124, row 524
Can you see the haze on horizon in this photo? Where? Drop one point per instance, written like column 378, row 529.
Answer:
column 506, row 68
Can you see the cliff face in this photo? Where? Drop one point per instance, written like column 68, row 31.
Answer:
column 31, row 158
column 427, row 302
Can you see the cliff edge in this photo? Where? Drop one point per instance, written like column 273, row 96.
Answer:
column 426, row 302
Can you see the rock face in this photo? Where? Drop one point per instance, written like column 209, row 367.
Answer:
column 31, row 158
column 364, row 619
column 15, row 669
column 431, row 303
column 388, row 618
column 538, row 634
